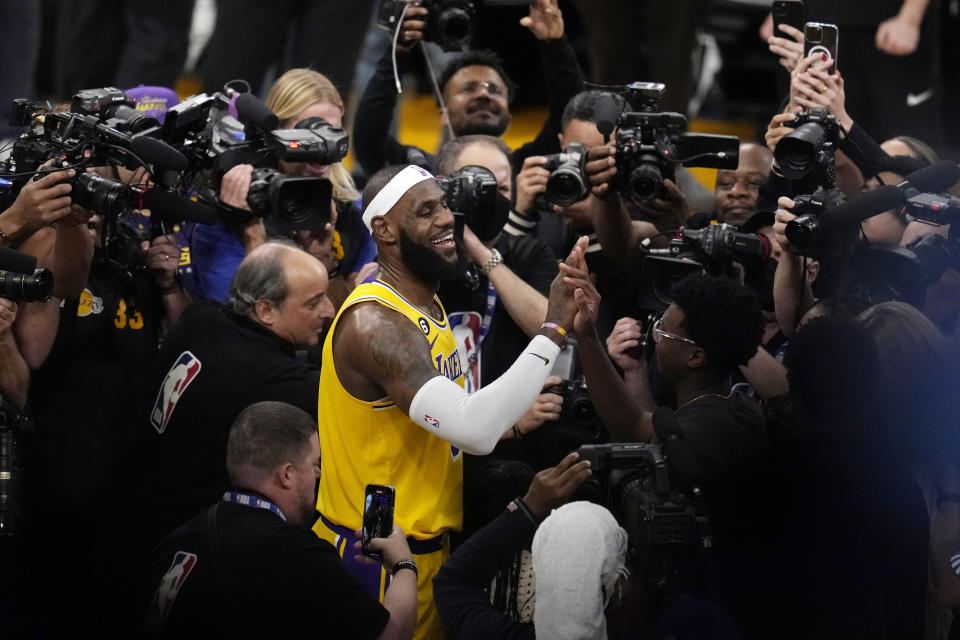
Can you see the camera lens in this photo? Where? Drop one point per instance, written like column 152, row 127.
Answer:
column 796, row 153
column 582, row 411
column 297, row 201
column 565, row 187
column 814, row 34
column 644, row 183
column 101, row 195
column 454, row 26
column 26, row 287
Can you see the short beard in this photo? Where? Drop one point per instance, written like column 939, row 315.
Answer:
column 495, row 129
column 424, row 263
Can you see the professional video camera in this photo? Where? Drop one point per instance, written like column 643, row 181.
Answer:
column 450, row 23
column 711, row 249
column 20, row 280
column 210, row 141
column 566, row 185
column 671, row 539
column 650, row 144
column 102, row 129
column 810, row 146
column 474, row 199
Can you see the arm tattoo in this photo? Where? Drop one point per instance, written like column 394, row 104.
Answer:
column 400, row 355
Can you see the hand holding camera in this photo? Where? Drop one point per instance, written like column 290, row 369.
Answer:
column 42, row 201
column 623, row 341
column 546, row 408
column 531, row 182
column 555, row 486
column 783, row 217
column 235, row 186
column 778, row 128
column 815, row 88
column 389, row 550
column 789, row 47
column 600, row 168
column 414, row 28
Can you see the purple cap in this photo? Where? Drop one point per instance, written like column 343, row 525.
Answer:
column 154, row 101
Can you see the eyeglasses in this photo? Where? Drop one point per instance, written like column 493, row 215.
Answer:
column 475, row 86
column 659, row 333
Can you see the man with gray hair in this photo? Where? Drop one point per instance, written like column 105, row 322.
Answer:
column 252, row 553
column 216, row 361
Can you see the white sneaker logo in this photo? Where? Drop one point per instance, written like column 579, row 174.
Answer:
column 920, row 98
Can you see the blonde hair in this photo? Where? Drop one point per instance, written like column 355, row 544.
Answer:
column 298, row 89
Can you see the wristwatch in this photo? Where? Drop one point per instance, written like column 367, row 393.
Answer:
column 495, row 259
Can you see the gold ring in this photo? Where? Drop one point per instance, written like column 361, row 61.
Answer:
column 822, row 89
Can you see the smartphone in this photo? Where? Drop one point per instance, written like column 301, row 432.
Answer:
column 822, row 37
column 789, row 12
column 378, row 505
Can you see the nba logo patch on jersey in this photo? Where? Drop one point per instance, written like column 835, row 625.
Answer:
column 181, row 374
column 170, row 585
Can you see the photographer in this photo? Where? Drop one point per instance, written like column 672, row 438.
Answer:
column 475, row 89
column 343, row 246
column 712, row 326
column 578, row 556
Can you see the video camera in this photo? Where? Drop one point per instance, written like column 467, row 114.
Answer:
column 711, row 249
column 650, row 144
column 670, row 534
column 102, row 129
column 210, row 141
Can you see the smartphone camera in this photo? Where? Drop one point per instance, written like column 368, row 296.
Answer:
column 814, row 34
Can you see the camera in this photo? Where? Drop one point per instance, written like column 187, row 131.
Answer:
column 885, row 273
column 651, row 144
column 450, row 23
column 803, row 232
column 811, row 145
column 566, row 184
column 578, row 417
column 20, row 280
column 932, row 207
column 213, row 141
column 670, row 534
column 711, row 249
column 473, row 197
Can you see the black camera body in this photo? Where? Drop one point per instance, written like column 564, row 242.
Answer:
column 566, row 184
column 803, row 232
column 718, row 244
column 810, row 146
column 670, row 534
column 933, row 207
column 578, row 416
column 450, row 23
column 473, row 197
column 101, row 130
column 884, row 273
column 213, row 141
column 650, row 144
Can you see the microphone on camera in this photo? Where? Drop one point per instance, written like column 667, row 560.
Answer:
column 253, row 110
column 936, row 177
column 159, row 154
column 176, row 208
column 16, row 261
column 607, row 112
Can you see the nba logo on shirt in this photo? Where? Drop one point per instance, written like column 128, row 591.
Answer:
column 181, row 374
column 170, row 585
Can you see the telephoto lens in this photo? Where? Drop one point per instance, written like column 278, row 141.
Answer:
column 26, row 287
column 101, row 195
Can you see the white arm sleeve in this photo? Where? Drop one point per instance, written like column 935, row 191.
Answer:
column 475, row 422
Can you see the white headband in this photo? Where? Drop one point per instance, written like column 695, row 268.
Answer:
column 392, row 192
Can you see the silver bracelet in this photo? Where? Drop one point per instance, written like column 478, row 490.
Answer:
column 494, row 260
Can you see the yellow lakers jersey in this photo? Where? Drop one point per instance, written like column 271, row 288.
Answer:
column 375, row 442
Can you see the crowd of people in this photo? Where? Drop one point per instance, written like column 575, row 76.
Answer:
column 636, row 413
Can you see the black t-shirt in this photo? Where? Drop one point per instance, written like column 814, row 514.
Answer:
column 211, row 367
column 264, row 579
column 710, row 437
column 85, row 394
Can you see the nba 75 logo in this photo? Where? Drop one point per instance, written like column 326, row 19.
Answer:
column 181, row 374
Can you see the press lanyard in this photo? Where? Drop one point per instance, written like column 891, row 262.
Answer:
column 488, row 313
column 248, row 500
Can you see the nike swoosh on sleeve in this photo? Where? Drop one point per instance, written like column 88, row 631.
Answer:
column 920, row 98
column 546, row 361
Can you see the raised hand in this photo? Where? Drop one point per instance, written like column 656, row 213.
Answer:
column 553, row 487
column 545, row 21
column 626, row 335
